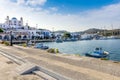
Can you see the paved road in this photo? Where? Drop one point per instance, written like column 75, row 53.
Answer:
column 81, row 69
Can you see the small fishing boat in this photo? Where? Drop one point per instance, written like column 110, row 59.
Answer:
column 103, row 38
column 59, row 40
column 73, row 39
column 98, row 53
column 67, row 40
column 41, row 46
column 30, row 43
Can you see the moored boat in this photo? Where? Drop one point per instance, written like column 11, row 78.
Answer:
column 98, row 53
column 74, row 39
column 30, row 43
column 59, row 40
column 41, row 46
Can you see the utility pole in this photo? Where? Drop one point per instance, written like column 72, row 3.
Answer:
column 104, row 32
column 53, row 33
column 112, row 29
column 36, row 26
column 11, row 38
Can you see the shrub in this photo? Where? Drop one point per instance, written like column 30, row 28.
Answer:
column 77, row 54
column 6, row 43
column 104, row 59
column 57, row 51
column 51, row 50
column 24, row 45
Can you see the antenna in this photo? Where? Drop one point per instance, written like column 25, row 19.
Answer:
column 27, row 23
column 104, row 31
column 36, row 26
column 112, row 28
column 53, row 29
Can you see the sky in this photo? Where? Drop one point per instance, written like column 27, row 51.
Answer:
column 70, row 15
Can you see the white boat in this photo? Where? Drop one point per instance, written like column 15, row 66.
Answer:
column 98, row 53
column 103, row 38
column 41, row 46
column 111, row 37
column 59, row 40
column 30, row 43
column 74, row 39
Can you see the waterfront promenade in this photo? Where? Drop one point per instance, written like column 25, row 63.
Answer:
column 33, row 41
column 73, row 67
column 7, row 68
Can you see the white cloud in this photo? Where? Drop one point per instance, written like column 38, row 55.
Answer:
column 105, row 16
column 32, row 2
column 54, row 8
column 20, row 2
column 36, row 2
column 98, row 18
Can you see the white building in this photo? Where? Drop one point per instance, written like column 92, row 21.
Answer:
column 27, row 34
column 87, row 36
column 12, row 23
column 23, row 32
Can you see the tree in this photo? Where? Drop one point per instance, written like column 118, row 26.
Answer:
column 67, row 35
column 1, row 30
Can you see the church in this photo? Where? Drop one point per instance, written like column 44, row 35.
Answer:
column 19, row 31
column 13, row 23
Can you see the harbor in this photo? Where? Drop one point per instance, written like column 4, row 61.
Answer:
column 60, row 40
column 78, row 47
column 84, row 46
column 84, row 68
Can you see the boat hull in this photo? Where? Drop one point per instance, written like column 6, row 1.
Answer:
column 96, row 56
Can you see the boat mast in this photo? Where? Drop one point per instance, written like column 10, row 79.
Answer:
column 112, row 29
column 104, row 32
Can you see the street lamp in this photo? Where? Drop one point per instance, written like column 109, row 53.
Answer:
column 11, row 38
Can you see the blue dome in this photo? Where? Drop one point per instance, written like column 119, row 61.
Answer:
column 14, row 18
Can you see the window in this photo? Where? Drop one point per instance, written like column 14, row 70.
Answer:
column 14, row 21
